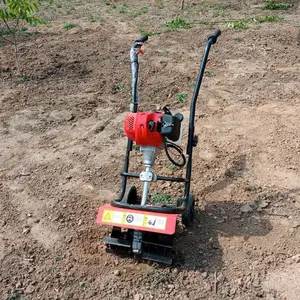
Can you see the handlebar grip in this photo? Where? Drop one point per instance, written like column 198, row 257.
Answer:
column 143, row 39
column 215, row 36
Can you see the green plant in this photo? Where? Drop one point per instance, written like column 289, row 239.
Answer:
column 119, row 87
column 209, row 73
column 20, row 79
column 271, row 18
column 142, row 11
column 237, row 25
column 161, row 198
column 106, row 2
column 149, row 33
column 69, row 26
column 163, row 53
column 238, row 39
column 274, row 5
column 58, row 5
column 177, row 23
column 92, row 19
column 14, row 14
column 123, row 8
column 135, row 147
column 171, row 166
column 181, row 97
column 16, row 296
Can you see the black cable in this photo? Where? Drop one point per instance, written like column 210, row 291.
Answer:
column 167, row 145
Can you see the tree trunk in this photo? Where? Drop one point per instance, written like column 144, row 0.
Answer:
column 16, row 54
column 182, row 5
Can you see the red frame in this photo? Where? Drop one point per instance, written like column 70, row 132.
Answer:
column 171, row 219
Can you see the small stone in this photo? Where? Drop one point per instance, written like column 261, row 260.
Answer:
column 29, row 215
column 29, row 289
column 240, row 282
column 26, row 230
column 79, row 222
column 117, row 272
column 137, row 297
column 264, row 204
column 3, row 223
column 221, row 278
column 246, row 208
column 296, row 258
column 204, row 275
column 175, row 271
column 171, row 286
column 64, row 206
column 19, row 285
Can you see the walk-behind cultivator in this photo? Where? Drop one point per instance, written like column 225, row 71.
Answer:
column 139, row 227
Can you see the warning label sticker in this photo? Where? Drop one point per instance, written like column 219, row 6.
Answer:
column 135, row 219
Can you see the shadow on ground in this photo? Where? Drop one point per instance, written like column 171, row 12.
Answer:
column 198, row 247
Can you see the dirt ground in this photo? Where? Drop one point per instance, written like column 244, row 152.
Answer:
column 62, row 148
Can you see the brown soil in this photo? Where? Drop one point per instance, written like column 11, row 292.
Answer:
column 62, row 148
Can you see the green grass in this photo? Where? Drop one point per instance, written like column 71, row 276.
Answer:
column 93, row 19
column 271, row 18
column 237, row 25
column 149, row 33
column 161, row 198
column 238, row 39
column 274, row 5
column 177, row 23
column 58, row 5
column 243, row 24
column 163, row 53
column 123, row 8
column 209, row 73
column 119, row 87
column 16, row 296
column 69, row 26
column 181, row 97
column 135, row 147
column 142, row 11
column 20, row 80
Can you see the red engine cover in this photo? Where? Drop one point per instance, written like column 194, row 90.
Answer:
column 136, row 128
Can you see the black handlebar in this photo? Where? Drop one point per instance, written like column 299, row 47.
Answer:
column 143, row 39
column 215, row 36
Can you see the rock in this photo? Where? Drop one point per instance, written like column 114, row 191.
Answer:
column 26, row 230
column 221, row 278
column 175, row 271
column 137, row 297
column 79, row 222
column 29, row 289
column 264, row 204
column 171, row 286
column 19, row 285
column 246, row 208
column 296, row 258
column 240, row 282
column 117, row 272
column 62, row 115
column 204, row 275
column 29, row 215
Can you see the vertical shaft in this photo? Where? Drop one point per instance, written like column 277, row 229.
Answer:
column 146, row 188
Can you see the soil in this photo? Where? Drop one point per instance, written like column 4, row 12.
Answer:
column 62, row 149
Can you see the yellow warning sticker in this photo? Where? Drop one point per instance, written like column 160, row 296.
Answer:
column 107, row 216
column 135, row 219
